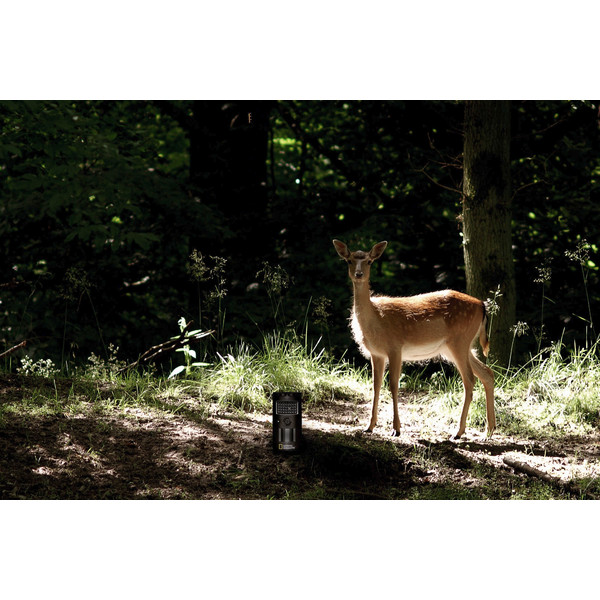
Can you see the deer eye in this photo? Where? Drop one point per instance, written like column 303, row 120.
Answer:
column 369, row 262
column 349, row 262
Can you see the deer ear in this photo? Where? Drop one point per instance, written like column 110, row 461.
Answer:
column 342, row 249
column 377, row 250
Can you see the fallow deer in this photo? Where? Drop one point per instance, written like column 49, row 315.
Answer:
column 416, row 328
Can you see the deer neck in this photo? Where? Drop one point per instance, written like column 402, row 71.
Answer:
column 362, row 299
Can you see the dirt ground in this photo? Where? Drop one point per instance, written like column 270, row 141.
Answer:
column 139, row 453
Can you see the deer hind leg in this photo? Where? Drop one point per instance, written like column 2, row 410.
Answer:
column 463, row 364
column 395, row 370
column 378, row 368
column 486, row 376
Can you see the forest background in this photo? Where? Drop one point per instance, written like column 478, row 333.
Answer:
column 120, row 217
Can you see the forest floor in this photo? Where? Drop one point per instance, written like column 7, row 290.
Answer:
column 99, row 450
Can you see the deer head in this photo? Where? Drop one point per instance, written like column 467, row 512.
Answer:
column 359, row 262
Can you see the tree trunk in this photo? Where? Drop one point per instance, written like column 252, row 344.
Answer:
column 487, row 218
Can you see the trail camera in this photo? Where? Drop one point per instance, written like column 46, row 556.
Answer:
column 287, row 421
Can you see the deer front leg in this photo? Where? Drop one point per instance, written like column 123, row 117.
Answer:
column 378, row 368
column 395, row 370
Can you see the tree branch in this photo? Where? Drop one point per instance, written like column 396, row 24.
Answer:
column 526, row 185
column 544, row 140
column 446, row 187
column 13, row 283
column 14, row 348
column 171, row 344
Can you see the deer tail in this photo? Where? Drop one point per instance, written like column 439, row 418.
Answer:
column 483, row 337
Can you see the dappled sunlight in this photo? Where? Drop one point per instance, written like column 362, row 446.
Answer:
column 155, row 439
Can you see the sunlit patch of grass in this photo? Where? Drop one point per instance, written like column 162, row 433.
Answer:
column 246, row 378
column 35, row 396
column 557, row 392
column 42, row 396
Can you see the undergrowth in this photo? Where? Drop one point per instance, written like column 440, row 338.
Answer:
column 556, row 393
column 244, row 379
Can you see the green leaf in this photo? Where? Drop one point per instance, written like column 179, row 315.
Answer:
column 176, row 371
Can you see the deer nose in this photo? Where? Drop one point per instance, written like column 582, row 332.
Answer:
column 358, row 274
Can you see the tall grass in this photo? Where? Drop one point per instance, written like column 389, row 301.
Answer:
column 556, row 393
column 245, row 378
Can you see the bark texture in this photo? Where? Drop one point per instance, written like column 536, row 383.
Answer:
column 487, row 218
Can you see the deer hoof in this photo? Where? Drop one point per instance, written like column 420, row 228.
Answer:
column 395, row 433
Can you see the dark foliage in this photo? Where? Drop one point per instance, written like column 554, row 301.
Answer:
column 117, row 218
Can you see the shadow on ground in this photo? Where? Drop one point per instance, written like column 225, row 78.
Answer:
column 145, row 457
column 195, row 451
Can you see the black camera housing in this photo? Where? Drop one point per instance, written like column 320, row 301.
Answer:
column 287, row 422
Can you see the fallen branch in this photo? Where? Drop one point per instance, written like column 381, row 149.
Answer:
column 14, row 348
column 555, row 481
column 171, row 344
column 531, row 471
